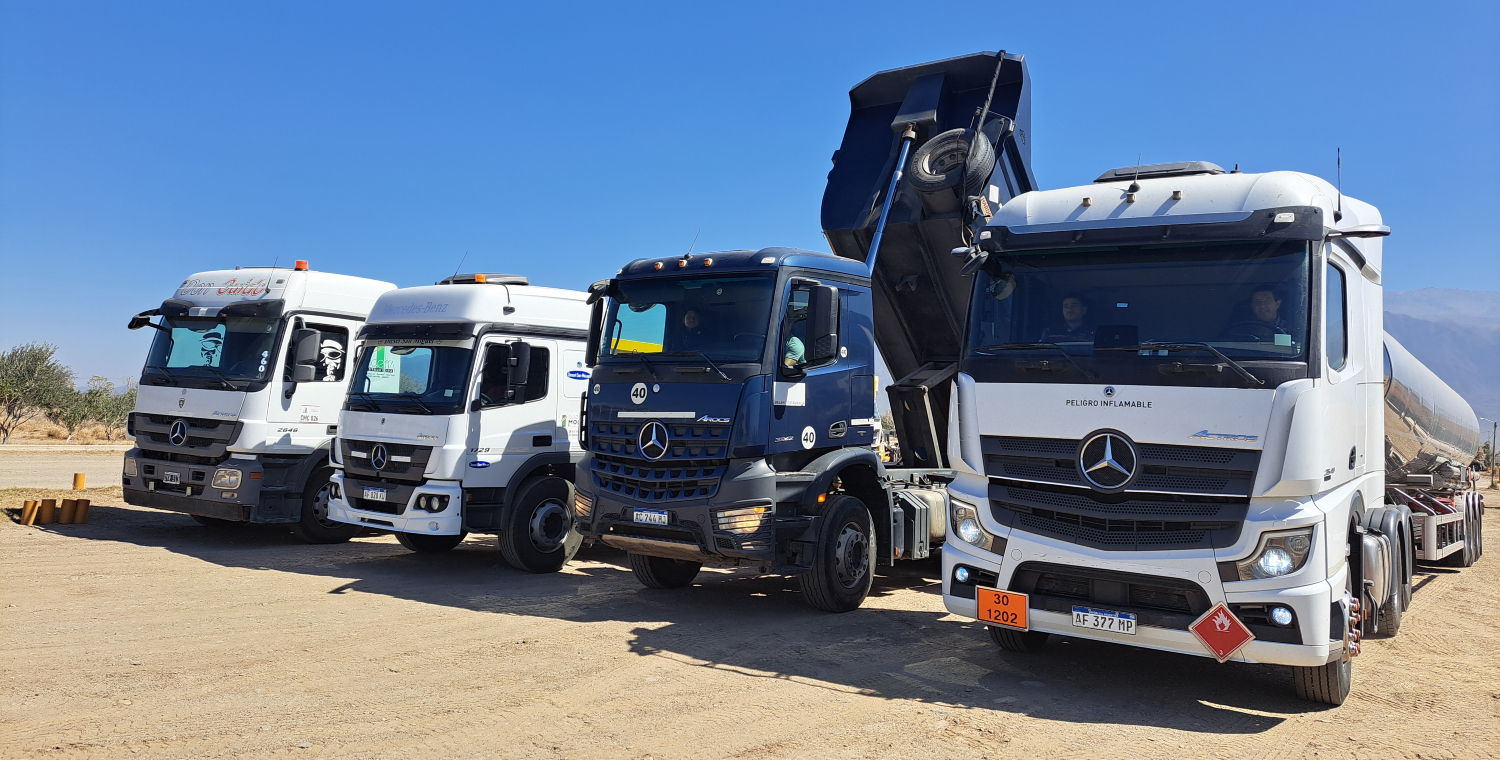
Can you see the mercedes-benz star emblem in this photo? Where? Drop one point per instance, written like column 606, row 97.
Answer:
column 1109, row 391
column 379, row 457
column 653, row 440
column 1107, row 460
column 177, row 434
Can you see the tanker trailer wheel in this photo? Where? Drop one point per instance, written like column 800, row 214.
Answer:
column 429, row 544
column 944, row 161
column 539, row 536
column 315, row 527
column 662, row 572
column 1012, row 640
column 1465, row 555
column 843, row 566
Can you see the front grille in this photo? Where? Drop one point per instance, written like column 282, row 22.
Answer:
column 1119, row 522
column 691, row 468
column 207, row 440
column 406, row 462
column 1161, row 468
column 1154, row 600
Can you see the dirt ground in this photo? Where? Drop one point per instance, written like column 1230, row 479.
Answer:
column 42, row 466
column 144, row 634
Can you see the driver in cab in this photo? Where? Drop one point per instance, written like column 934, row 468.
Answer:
column 1266, row 321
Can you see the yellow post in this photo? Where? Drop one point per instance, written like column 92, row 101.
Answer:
column 82, row 515
column 65, row 515
column 28, row 511
column 78, row 481
column 47, row 513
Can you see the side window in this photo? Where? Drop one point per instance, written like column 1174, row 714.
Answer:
column 1336, row 337
column 333, row 348
column 494, row 380
column 794, row 346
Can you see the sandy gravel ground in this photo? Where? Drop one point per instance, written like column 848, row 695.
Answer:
column 144, row 634
column 36, row 467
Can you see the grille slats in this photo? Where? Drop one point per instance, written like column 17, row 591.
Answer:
column 1161, row 468
column 691, row 468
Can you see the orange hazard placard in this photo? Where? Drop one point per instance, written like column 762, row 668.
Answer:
column 1005, row 608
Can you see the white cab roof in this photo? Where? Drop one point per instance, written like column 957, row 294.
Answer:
column 300, row 290
column 516, row 304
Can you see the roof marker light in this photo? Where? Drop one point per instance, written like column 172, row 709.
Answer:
column 1176, row 195
column 681, row 263
column 768, row 260
column 479, row 279
column 1087, row 201
column 708, row 262
column 658, row 265
column 1285, row 217
column 301, row 265
column 1130, row 197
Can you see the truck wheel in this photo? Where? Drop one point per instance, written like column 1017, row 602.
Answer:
column 1408, row 561
column 843, row 566
column 945, row 160
column 315, row 527
column 216, row 522
column 429, row 544
column 1390, row 617
column 1328, row 683
column 540, row 537
column 1012, row 640
column 1464, row 557
column 660, row 572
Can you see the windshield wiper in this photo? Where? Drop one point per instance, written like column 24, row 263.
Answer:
column 167, row 377
column 1033, row 346
column 644, row 361
column 223, row 378
column 368, row 400
column 705, row 358
column 1188, row 346
column 418, row 401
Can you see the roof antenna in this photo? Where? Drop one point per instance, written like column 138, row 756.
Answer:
column 1135, row 187
column 461, row 266
column 694, row 244
column 1338, row 210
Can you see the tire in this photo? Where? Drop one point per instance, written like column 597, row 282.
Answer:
column 1327, row 683
column 1408, row 562
column 427, row 544
column 843, row 566
column 1390, row 618
column 1464, row 557
column 217, row 523
column 944, row 161
column 315, row 527
column 1012, row 640
column 661, row 572
column 539, row 536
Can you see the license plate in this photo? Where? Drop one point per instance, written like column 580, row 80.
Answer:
column 1103, row 620
column 651, row 516
column 1005, row 608
column 171, row 477
column 375, row 494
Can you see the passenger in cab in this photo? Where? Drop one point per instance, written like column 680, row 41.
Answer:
column 1075, row 324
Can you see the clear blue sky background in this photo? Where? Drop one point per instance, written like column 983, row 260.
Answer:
column 143, row 141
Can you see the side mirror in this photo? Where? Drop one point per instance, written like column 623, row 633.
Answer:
column 596, row 334
column 520, row 367
column 306, row 342
column 304, row 373
column 822, row 324
column 144, row 320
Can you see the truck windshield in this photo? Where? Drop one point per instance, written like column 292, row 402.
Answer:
column 213, row 353
column 411, row 380
column 724, row 318
column 1119, row 310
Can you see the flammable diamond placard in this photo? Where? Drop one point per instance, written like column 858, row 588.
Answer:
column 1221, row 632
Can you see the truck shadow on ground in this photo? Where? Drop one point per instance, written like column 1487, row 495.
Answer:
column 759, row 627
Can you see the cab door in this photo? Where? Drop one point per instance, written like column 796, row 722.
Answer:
column 509, row 421
column 302, row 421
column 812, row 393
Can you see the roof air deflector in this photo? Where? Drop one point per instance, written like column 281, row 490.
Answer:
column 1157, row 171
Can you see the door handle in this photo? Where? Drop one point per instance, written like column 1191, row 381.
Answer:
column 838, row 429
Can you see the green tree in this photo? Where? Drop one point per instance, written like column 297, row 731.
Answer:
column 114, row 408
column 32, row 383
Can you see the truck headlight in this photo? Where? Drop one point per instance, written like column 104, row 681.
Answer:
column 130, row 468
column 1280, row 553
column 226, row 478
column 966, row 526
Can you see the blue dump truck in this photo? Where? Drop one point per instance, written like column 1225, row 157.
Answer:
column 731, row 415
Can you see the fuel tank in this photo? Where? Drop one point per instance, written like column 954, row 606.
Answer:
column 1429, row 429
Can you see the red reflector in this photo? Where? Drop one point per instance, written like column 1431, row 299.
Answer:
column 255, row 476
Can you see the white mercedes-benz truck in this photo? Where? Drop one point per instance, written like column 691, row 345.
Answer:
column 463, row 417
column 1180, row 426
column 240, row 394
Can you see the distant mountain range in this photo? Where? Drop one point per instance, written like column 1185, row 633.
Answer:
column 1456, row 333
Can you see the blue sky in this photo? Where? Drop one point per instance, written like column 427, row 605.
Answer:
column 143, row 141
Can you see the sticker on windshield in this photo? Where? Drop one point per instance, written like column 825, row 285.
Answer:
column 809, row 437
column 638, row 393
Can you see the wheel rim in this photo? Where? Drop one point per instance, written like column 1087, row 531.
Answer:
column 946, row 157
column 548, row 526
column 851, row 556
column 320, row 507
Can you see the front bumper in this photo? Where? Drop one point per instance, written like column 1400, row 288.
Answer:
column 401, row 513
column 193, row 493
column 1310, row 601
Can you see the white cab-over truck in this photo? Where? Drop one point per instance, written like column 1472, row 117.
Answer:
column 463, row 417
column 1179, row 425
column 240, row 393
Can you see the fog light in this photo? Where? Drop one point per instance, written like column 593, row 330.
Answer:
column 1281, row 616
column 422, row 503
column 432, row 525
column 226, row 479
column 130, row 467
column 961, row 575
column 1274, row 563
